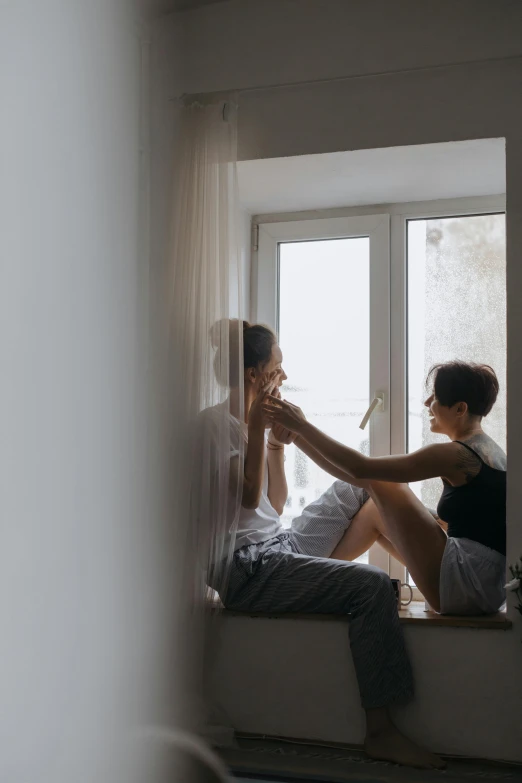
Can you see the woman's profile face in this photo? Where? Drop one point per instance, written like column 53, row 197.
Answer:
column 441, row 417
column 274, row 364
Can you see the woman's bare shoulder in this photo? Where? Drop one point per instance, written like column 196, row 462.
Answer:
column 488, row 449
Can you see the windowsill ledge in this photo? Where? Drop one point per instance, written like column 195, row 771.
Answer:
column 414, row 614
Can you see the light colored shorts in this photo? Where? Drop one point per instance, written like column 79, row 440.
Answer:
column 322, row 524
column 472, row 578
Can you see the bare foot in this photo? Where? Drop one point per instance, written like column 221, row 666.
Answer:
column 390, row 745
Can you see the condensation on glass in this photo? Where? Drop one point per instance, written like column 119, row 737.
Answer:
column 456, row 310
column 324, row 332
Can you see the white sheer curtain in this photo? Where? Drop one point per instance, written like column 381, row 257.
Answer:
column 206, row 356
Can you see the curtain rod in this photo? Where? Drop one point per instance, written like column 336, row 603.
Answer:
column 374, row 74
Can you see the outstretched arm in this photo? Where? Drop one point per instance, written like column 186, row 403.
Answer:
column 431, row 461
column 323, row 463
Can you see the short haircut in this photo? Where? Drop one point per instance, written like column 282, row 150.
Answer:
column 474, row 384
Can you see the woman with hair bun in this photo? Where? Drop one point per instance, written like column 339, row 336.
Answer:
column 278, row 570
column 456, row 556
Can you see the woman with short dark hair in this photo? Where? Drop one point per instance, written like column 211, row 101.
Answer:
column 456, row 556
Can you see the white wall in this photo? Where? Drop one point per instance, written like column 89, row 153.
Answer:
column 294, row 677
column 169, row 69
column 78, row 602
column 420, row 73
column 245, row 242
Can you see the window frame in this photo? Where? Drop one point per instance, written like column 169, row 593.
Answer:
column 266, row 304
column 274, row 228
column 403, row 213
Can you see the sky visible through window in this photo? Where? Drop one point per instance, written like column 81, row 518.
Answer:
column 324, row 331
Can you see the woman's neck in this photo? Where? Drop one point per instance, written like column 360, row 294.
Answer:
column 236, row 402
column 467, row 431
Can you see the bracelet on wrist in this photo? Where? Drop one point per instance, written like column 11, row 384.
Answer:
column 274, row 447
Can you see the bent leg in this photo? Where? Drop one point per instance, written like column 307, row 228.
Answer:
column 388, row 547
column 362, row 533
column 414, row 533
column 366, row 528
column 285, row 581
column 396, row 519
column 270, row 577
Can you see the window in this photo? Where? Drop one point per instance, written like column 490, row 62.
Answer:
column 324, row 285
column 314, row 320
column 362, row 310
column 446, row 257
column 456, row 309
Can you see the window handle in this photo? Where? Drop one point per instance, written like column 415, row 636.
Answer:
column 376, row 404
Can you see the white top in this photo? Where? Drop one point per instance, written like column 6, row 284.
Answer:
column 254, row 525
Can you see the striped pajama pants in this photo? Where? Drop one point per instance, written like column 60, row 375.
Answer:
column 293, row 573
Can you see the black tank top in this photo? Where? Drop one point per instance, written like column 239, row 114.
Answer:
column 477, row 510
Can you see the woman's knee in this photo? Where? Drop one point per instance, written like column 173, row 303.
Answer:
column 386, row 491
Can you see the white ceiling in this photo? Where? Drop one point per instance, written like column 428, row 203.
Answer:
column 380, row 176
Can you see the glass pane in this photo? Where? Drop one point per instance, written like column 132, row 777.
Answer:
column 456, row 310
column 324, row 332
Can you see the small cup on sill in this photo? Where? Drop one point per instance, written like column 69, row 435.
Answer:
column 397, row 587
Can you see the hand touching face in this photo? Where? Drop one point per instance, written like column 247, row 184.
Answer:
column 256, row 416
column 283, row 413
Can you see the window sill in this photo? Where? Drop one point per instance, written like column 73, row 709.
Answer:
column 414, row 614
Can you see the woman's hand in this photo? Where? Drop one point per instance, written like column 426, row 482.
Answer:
column 256, row 416
column 280, row 434
column 283, row 413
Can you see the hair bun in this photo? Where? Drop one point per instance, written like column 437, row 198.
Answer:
column 216, row 331
column 219, row 329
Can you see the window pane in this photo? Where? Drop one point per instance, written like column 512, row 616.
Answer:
column 456, row 310
column 324, row 319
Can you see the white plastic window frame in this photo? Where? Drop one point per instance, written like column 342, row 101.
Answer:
column 390, row 323
column 266, row 305
column 401, row 215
